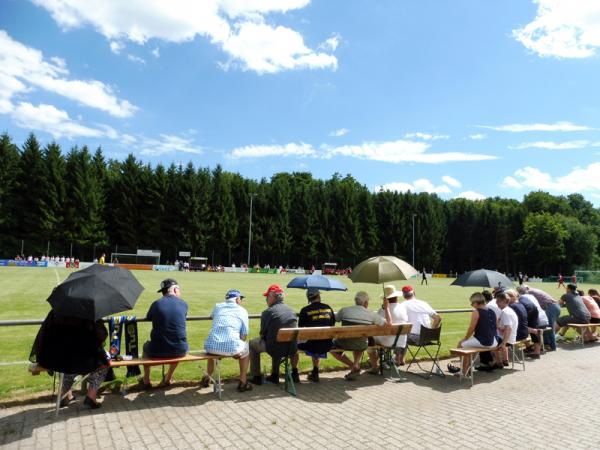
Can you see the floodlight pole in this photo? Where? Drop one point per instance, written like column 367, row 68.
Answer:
column 413, row 238
column 250, row 227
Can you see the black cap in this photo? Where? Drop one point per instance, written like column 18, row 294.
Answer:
column 166, row 284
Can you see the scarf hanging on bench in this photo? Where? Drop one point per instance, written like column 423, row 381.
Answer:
column 131, row 340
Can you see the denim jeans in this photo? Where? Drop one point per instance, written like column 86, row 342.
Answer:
column 553, row 312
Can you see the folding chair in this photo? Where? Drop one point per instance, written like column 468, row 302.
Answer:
column 428, row 337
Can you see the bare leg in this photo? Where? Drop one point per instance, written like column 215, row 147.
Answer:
column 146, row 374
column 340, row 356
column 357, row 359
column 316, row 362
column 244, row 369
column 466, row 363
column 373, row 359
column 210, row 367
column 169, row 375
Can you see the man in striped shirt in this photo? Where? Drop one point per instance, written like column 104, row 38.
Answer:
column 227, row 336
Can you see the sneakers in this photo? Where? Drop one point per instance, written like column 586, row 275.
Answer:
column 533, row 355
column 92, row 404
column 244, row 387
column 295, row 376
column 373, row 371
column 560, row 338
column 205, row 381
column 352, row 375
column 313, row 376
column 484, row 368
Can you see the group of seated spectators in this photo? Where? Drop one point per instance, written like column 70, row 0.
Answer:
column 498, row 320
column 501, row 318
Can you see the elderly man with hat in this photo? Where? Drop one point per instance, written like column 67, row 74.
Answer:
column 277, row 315
column 168, row 337
column 419, row 313
column 227, row 337
column 397, row 312
column 316, row 314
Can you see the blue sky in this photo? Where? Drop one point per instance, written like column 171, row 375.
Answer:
column 463, row 98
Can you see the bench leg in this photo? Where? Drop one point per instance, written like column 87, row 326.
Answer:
column 470, row 369
column 289, row 384
column 61, row 378
column 218, row 387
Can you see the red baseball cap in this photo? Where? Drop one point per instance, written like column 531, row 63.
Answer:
column 407, row 288
column 273, row 288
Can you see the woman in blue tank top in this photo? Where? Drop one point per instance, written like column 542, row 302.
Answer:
column 481, row 331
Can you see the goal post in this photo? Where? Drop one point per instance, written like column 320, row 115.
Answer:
column 151, row 257
column 588, row 276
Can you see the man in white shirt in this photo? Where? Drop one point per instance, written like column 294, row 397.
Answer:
column 419, row 314
column 508, row 327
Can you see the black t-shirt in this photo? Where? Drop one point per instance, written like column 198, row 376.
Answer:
column 522, row 328
column 316, row 315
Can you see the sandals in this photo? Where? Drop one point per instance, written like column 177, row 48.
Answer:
column 244, row 387
column 143, row 385
column 66, row 401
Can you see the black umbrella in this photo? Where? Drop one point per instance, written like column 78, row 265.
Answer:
column 483, row 278
column 95, row 292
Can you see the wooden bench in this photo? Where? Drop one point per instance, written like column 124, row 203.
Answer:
column 581, row 328
column 293, row 335
column 191, row 357
column 516, row 352
column 36, row 369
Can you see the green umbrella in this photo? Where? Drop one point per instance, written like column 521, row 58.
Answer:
column 381, row 269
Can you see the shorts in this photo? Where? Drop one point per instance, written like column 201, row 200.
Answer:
column 564, row 320
column 242, row 352
column 535, row 338
column 353, row 344
column 473, row 342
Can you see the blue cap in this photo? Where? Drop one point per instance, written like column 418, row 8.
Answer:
column 233, row 293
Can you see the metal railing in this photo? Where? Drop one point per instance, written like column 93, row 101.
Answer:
column 18, row 323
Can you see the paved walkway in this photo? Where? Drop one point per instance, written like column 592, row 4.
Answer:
column 553, row 404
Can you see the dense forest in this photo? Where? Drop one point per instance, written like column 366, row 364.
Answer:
column 84, row 202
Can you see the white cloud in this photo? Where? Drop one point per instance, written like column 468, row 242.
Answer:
column 156, row 52
column 167, row 143
column 265, row 49
column 420, row 185
column 136, row 59
column 519, row 128
column 471, row 195
column 426, row 136
column 549, row 145
column 237, row 26
column 563, row 28
column 56, row 122
column 116, row 47
column 339, row 133
column 401, row 151
column 23, row 68
column 580, row 179
column 393, row 152
column 451, row 181
column 332, row 43
column 260, row 151
column 477, row 136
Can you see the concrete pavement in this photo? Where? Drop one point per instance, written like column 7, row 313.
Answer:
column 552, row 404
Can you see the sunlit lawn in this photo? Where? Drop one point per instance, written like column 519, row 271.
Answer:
column 23, row 293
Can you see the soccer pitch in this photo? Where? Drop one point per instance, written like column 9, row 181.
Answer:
column 23, row 293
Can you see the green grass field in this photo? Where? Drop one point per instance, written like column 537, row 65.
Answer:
column 23, row 293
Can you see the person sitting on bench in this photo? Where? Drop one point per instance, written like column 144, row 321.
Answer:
column 168, row 337
column 578, row 313
column 316, row 314
column 358, row 314
column 507, row 329
column 227, row 337
column 481, row 332
column 277, row 315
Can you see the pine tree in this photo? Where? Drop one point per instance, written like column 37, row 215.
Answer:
column 9, row 176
